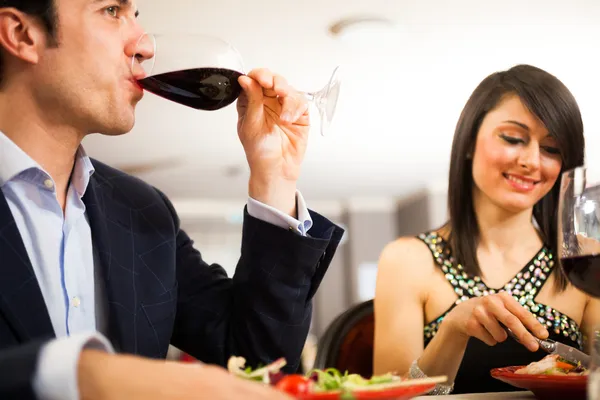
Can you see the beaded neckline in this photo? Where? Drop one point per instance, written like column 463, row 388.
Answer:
column 524, row 287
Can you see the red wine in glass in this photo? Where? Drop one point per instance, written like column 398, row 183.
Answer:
column 202, row 72
column 579, row 228
column 584, row 273
column 200, row 88
column 579, row 250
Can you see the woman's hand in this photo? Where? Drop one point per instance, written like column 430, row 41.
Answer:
column 481, row 318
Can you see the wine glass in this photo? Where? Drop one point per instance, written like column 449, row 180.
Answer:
column 579, row 246
column 202, row 72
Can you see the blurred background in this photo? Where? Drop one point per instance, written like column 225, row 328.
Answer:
column 408, row 69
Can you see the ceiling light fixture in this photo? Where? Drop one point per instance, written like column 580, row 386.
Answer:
column 345, row 25
column 365, row 32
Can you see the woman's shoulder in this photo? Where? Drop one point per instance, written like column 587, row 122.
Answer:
column 409, row 254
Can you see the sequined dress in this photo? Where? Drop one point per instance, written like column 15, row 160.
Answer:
column 474, row 372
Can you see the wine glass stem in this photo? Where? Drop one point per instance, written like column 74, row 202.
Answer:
column 309, row 96
column 318, row 101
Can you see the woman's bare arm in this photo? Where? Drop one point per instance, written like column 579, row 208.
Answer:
column 404, row 276
column 590, row 321
column 404, row 272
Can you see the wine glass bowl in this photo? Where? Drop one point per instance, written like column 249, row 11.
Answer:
column 202, row 72
column 579, row 229
column 205, row 79
column 579, row 248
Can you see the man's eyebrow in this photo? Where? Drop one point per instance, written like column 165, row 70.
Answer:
column 123, row 3
column 127, row 3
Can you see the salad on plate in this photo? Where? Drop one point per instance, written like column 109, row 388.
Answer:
column 319, row 381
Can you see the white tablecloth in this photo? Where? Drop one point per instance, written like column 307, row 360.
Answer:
column 483, row 396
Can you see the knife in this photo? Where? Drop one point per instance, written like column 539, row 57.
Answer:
column 571, row 354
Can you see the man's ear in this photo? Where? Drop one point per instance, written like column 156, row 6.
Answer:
column 21, row 35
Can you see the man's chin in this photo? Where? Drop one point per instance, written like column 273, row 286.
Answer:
column 118, row 129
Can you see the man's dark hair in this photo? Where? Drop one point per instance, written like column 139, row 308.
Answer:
column 44, row 10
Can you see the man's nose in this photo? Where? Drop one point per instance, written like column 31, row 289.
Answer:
column 140, row 47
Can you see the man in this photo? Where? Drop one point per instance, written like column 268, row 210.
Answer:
column 93, row 262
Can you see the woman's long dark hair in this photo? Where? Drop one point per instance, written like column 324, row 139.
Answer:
column 552, row 103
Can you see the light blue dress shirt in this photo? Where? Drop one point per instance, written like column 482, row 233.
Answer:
column 60, row 248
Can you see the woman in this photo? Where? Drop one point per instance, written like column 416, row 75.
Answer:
column 441, row 298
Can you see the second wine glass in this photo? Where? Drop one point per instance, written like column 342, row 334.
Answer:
column 202, row 72
column 579, row 248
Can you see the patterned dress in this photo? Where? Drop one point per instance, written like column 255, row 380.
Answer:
column 474, row 373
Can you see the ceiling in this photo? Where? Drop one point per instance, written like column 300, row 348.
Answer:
column 401, row 97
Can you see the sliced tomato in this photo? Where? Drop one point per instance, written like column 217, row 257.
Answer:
column 294, row 384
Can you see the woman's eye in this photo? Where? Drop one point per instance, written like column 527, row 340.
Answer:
column 551, row 150
column 511, row 139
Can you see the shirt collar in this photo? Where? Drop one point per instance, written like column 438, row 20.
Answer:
column 14, row 162
column 82, row 171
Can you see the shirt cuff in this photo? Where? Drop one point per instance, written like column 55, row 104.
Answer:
column 273, row 216
column 56, row 374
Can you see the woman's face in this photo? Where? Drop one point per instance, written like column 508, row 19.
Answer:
column 515, row 162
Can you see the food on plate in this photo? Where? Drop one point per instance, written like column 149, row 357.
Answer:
column 295, row 384
column 319, row 381
column 269, row 374
column 553, row 365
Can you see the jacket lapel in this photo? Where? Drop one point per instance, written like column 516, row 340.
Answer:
column 108, row 222
column 21, row 300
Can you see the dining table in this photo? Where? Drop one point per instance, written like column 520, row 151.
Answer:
column 520, row 395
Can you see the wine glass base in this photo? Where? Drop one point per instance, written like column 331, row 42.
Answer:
column 325, row 100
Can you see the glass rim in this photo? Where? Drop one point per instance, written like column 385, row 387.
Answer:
column 155, row 37
column 595, row 170
column 571, row 170
column 185, row 34
column 582, row 176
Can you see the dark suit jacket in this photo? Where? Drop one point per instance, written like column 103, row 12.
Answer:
column 160, row 291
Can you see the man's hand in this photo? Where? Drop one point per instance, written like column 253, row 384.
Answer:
column 273, row 127
column 103, row 376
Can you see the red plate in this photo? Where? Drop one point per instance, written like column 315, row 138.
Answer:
column 397, row 393
column 545, row 387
